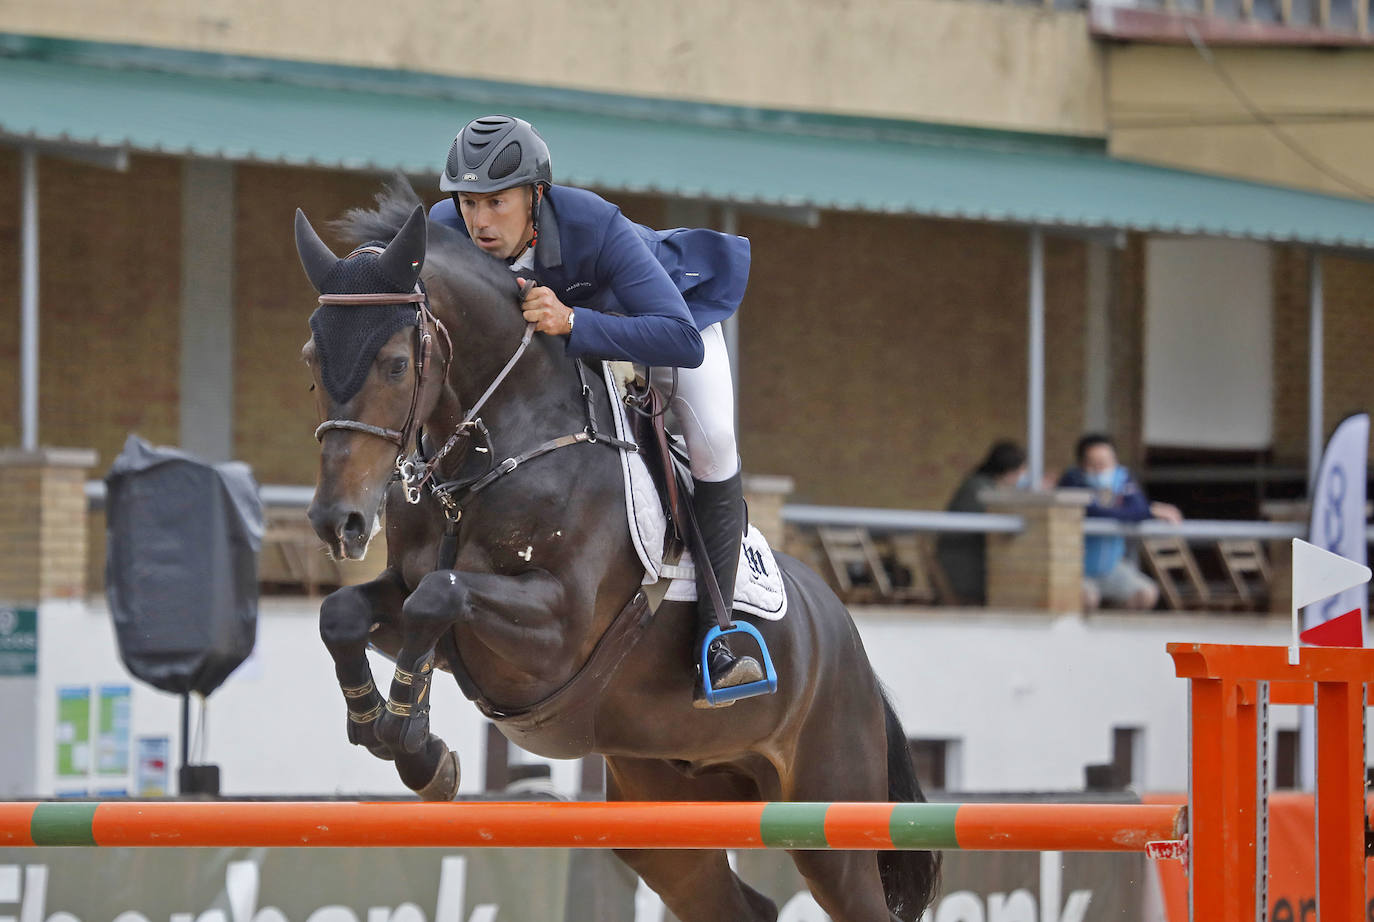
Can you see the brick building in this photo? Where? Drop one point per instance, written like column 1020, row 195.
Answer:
column 884, row 340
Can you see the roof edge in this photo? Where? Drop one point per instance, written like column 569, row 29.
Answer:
column 220, row 65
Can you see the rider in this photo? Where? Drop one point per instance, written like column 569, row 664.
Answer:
column 618, row 290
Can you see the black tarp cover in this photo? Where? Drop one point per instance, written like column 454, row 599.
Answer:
column 181, row 565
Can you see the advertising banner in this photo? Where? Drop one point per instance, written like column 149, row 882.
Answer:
column 1292, row 863
column 489, row 885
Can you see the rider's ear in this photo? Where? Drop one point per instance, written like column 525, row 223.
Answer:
column 316, row 258
column 405, row 254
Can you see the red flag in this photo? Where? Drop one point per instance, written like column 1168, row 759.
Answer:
column 1345, row 630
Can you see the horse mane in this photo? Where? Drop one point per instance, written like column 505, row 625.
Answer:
column 446, row 247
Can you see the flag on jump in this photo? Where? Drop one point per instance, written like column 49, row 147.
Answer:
column 1345, row 630
column 1319, row 574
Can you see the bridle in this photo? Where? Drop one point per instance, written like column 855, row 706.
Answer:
column 415, row 471
column 424, row 319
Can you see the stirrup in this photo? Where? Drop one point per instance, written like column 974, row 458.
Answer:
column 717, row 697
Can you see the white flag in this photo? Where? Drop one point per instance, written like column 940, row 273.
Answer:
column 1318, row 574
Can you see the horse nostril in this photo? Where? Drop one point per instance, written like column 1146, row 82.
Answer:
column 354, row 526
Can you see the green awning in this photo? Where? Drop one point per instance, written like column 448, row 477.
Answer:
column 254, row 110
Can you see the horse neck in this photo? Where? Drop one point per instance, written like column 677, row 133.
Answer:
column 486, row 332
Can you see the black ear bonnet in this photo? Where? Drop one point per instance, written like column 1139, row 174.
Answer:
column 347, row 336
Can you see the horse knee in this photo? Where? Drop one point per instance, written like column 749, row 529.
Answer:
column 345, row 619
column 439, row 600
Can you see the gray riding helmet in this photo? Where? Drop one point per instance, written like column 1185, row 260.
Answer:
column 496, row 152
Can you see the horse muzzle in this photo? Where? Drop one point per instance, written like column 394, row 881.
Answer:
column 347, row 532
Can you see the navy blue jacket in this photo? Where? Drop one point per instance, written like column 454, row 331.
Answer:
column 648, row 292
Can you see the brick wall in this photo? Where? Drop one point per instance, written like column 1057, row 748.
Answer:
column 42, row 525
column 1126, row 326
column 881, row 356
column 109, row 277
column 1349, row 328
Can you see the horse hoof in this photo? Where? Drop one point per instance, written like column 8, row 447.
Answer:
column 444, row 784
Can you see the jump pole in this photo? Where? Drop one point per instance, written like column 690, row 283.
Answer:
column 879, row 826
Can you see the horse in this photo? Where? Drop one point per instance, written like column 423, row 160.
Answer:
column 529, row 588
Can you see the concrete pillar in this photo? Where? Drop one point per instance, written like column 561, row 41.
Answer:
column 207, row 309
column 43, row 524
column 1040, row 567
column 42, row 560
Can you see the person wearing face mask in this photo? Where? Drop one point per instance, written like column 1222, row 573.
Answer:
column 1108, row 577
column 963, row 555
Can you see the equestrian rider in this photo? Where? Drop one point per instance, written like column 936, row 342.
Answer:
column 618, row 290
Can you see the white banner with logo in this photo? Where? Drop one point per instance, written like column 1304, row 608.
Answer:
column 1337, row 525
column 1338, row 521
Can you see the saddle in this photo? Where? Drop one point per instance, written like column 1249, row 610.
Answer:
column 665, row 455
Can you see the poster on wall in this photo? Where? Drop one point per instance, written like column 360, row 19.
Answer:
column 18, row 641
column 73, row 731
column 112, row 734
column 152, row 777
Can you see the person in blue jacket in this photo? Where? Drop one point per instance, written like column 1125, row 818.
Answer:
column 1108, row 577
column 618, row 290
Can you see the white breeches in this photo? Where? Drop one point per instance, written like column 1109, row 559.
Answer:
column 704, row 406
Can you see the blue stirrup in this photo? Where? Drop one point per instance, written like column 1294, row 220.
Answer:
column 764, row 686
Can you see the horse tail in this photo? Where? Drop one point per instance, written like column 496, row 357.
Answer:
column 909, row 877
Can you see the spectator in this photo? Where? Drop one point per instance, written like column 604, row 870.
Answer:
column 963, row 555
column 1108, row 577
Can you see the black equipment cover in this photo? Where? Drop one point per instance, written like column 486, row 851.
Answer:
column 181, row 565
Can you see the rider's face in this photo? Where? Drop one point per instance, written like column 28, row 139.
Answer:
column 498, row 222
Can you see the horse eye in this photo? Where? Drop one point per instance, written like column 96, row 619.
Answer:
column 398, row 367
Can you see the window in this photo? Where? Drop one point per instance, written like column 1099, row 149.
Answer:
column 937, row 763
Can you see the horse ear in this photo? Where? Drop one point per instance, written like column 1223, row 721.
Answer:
column 316, row 258
column 403, row 257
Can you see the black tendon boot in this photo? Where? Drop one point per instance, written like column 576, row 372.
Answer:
column 720, row 514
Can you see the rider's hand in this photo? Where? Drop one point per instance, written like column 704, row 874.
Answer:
column 543, row 309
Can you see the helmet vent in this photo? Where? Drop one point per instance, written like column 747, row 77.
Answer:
column 478, row 137
column 506, row 162
column 454, row 166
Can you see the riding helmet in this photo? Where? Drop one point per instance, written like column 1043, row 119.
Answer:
column 496, row 152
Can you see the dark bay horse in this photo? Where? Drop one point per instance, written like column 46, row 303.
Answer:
column 541, row 614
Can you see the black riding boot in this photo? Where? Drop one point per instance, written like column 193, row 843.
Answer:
column 720, row 514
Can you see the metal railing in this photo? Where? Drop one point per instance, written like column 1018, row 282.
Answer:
column 886, row 521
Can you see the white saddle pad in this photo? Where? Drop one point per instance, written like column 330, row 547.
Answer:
column 759, row 589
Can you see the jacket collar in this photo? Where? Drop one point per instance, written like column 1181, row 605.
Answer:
column 548, row 251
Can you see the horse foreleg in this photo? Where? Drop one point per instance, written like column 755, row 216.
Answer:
column 423, row 760
column 346, row 620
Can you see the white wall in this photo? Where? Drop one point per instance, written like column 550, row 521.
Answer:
column 1208, row 344
column 1032, row 697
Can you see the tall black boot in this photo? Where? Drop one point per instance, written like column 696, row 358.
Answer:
column 720, row 514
